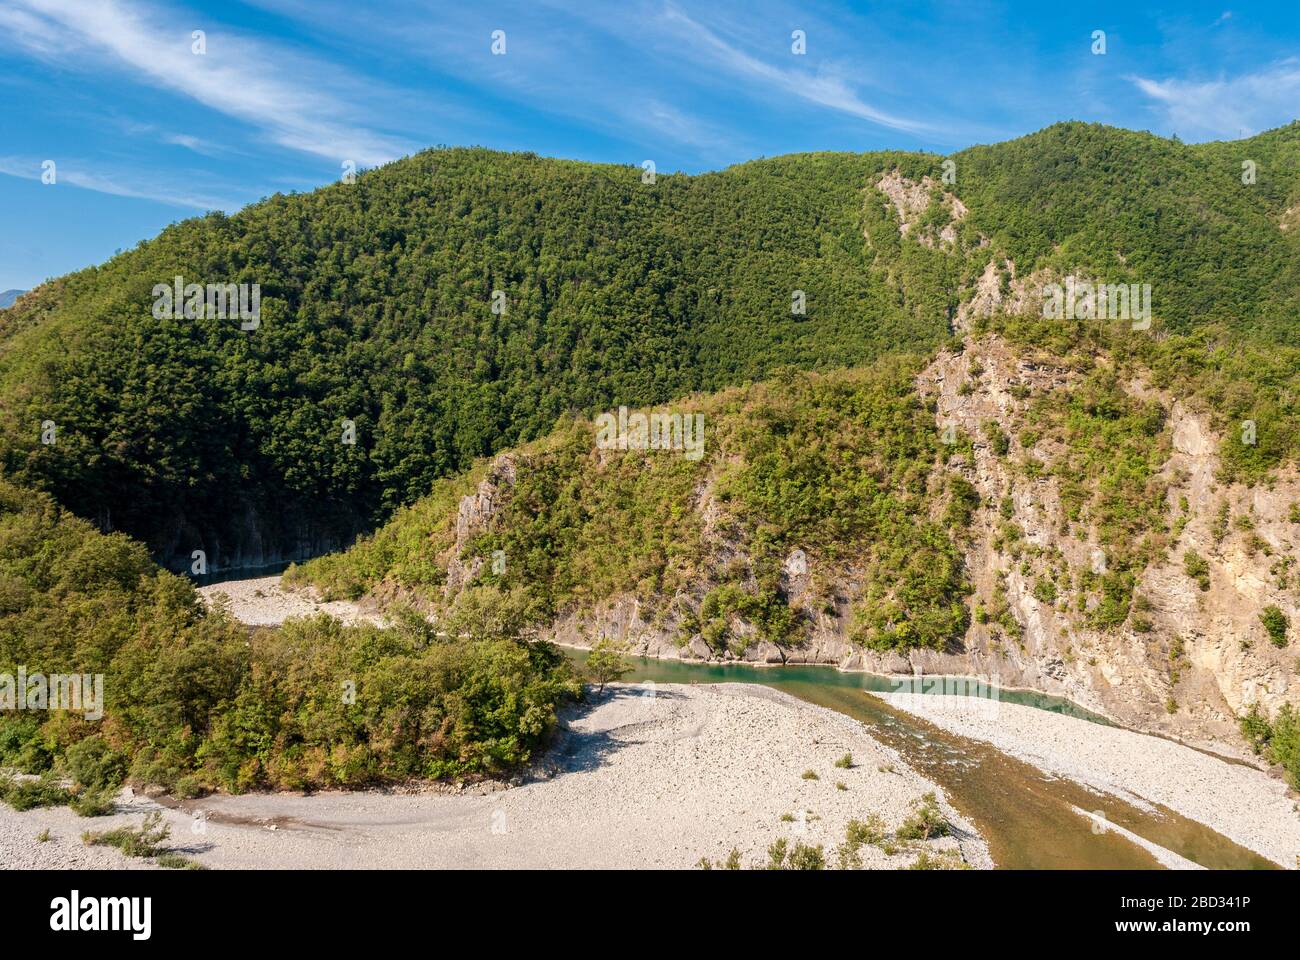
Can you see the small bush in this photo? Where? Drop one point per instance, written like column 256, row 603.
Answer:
column 776, row 854
column 845, row 762
column 871, row 830
column 1276, row 623
column 30, row 794
column 782, row 856
column 94, row 803
column 809, row 775
column 848, row 856
column 143, row 841
column 1256, row 728
column 174, row 861
column 999, row 442
column 941, row 860
column 805, row 857
column 1277, row 740
column 92, row 763
column 1198, row 568
column 926, row 821
column 731, row 863
column 606, row 663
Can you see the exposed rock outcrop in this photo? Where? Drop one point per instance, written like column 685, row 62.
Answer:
column 911, row 200
column 473, row 514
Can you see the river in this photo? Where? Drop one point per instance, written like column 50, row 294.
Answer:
column 1027, row 817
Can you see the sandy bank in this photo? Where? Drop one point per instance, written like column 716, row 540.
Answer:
column 1246, row 805
column 264, row 602
column 651, row 776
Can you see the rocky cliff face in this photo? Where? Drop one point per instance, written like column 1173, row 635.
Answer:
column 1192, row 652
column 250, row 538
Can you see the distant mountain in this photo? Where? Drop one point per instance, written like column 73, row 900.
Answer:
column 9, row 296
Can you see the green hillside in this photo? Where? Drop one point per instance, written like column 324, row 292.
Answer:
column 377, row 308
column 192, row 701
column 839, row 466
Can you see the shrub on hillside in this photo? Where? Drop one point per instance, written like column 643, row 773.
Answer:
column 1276, row 624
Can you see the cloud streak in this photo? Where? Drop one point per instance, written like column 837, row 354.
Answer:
column 824, row 88
column 75, row 175
column 238, row 76
column 1224, row 108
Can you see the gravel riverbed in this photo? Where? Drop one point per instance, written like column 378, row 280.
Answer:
column 647, row 776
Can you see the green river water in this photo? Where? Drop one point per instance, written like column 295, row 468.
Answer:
column 1025, row 816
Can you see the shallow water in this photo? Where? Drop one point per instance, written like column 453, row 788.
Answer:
column 1025, row 816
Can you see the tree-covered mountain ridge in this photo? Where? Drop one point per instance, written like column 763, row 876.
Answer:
column 458, row 302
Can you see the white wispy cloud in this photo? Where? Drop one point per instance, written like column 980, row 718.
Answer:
column 823, row 88
column 77, row 174
column 197, row 144
column 562, row 60
column 1228, row 107
column 295, row 102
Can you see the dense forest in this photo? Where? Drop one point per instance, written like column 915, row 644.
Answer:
column 462, row 301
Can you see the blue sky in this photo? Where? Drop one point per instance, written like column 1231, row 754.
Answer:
column 145, row 131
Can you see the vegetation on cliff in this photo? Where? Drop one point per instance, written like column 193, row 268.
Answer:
column 833, row 466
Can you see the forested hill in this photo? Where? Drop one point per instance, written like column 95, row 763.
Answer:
column 460, row 301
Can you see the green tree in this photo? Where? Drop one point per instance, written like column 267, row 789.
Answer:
column 607, row 663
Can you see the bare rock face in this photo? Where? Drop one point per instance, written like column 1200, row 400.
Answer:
column 794, row 573
column 986, row 299
column 1203, row 651
column 912, row 199
column 473, row 514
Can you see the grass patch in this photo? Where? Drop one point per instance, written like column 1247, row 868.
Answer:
column 926, row 821
column 145, row 840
